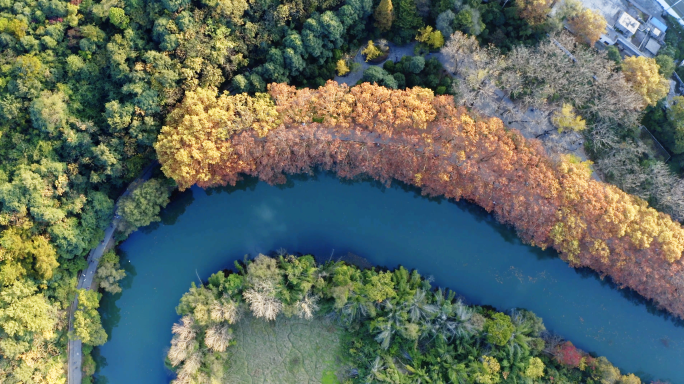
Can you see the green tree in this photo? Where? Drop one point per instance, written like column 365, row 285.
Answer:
column 109, row 273
column 49, row 112
column 675, row 116
column 407, row 16
column 415, row 64
column 24, row 312
column 87, row 322
column 666, row 64
column 499, row 329
column 614, row 54
column 379, row 76
column 143, row 205
column 384, row 15
column 117, row 16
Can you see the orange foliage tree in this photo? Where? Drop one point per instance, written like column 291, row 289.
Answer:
column 589, row 25
column 534, row 11
column 425, row 140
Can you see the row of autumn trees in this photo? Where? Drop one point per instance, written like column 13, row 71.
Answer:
column 402, row 330
column 417, row 138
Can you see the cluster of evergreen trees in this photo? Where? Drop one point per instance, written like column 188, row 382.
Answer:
column 400, row 328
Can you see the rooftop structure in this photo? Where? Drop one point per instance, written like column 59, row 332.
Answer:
column 652, row 46
column 627, row 23
column 658, row 24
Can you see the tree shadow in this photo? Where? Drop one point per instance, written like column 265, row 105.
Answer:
column 109, row 311
column 630, row 295
column 100, row 362
column 180, row 201
column 247, row 183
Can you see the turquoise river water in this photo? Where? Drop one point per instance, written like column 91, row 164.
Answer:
column 458, row 244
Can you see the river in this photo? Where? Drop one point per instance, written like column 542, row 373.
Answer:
column 459, row 245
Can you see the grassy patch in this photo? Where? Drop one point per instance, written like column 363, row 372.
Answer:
column 286, row 351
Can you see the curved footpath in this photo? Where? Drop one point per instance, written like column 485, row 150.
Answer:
column 85, row 281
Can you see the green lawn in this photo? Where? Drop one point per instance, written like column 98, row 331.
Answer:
column 286, row 351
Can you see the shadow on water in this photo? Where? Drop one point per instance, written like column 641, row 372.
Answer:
column 631, row 296
column 109, row 311
column 180, row 201
column 248, row 183
column 100, row 362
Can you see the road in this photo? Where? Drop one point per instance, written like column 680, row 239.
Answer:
column 85, row 281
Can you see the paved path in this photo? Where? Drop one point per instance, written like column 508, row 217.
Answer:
column 85, row 281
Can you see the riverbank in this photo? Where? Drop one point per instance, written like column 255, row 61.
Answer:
column 85, row 279
column 458, row 244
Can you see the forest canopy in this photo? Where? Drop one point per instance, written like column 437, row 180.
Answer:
column 86, row 87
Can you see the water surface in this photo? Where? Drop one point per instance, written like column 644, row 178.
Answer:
column 458, row 244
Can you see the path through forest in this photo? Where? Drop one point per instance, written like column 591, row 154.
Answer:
column 85, row 281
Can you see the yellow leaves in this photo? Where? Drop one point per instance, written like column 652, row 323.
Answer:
column 468, row 126
column 384, row 15
column 642, row 73
column 461, row 156
column 588, row 25
column 427, row 35
column 371, row 51
column 533, row 11
column 341, row 67
column 194, row 141
column 566, row 119
column 567, row 232
column 13, row 26
column 600, row 248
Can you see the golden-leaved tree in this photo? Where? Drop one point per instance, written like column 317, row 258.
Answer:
column 588, row 25
column 533, row 11
column 567, row 119
column 426, row 140
column 194, row 144
column 642, row 73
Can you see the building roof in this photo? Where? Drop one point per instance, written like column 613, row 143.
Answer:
column 627, row 22
column 658, row 24
column 652, row 46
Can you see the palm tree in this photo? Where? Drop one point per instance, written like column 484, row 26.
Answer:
column 389, row 324
column 462, row 316
column 375, row 369
column 419, row 307
column 356, row 308
column 451, row 319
